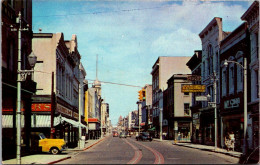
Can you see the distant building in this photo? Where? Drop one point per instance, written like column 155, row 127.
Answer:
column 177, row 109
column 162, row 70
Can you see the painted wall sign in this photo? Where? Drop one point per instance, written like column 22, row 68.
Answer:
column 41, row 107
column 232, row 103
column 64, row 110
column 193, row 88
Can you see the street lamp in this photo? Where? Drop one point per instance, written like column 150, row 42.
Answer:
column 245, row 95
column 21, row 76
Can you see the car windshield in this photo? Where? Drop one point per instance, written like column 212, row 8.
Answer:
column 42, row 136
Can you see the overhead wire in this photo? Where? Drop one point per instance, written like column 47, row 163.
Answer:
column 106, row 82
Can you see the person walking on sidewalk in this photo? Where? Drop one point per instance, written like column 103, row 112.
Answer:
column 232, row 140
column 227, row 141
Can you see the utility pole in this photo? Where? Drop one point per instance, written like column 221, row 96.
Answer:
column 21, row 76
column 52, row 105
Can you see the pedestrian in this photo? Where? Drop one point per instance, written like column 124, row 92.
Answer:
column 227, row 141
column 232, row 140
column 179, row 136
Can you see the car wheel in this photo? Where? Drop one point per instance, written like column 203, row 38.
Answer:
column 54, row 151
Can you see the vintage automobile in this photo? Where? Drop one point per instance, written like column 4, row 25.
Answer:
column 43, row 144
column 144, row 136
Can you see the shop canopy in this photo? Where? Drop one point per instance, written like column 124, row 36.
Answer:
column 152, row 129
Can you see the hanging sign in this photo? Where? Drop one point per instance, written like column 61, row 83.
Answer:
column 193, row 88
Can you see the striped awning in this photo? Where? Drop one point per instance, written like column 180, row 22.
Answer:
column 43, row 121
column 7, row 121
column 39, row 121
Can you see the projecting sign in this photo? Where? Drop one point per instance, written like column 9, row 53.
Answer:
column 201, row 98
column 193, row 88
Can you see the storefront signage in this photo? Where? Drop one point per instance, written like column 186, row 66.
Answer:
column 232, row 103
column 64, row 110
column 41, row 107
column 193, row 88
column 194, row 78
column 201, row 98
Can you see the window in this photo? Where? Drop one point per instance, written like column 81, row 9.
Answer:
column 224, row 82
column 210, row 59
column 186, row 109
column 186, row 93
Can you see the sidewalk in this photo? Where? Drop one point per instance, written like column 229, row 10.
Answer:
column 204, row 148
column 46, row 158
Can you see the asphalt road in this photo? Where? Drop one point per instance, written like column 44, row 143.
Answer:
column 114, row 150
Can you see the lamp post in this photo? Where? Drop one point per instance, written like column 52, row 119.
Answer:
column 21, row 76
column 245, row 96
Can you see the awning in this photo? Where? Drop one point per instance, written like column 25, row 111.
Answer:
column 73, row 122
column 43, row 121
column 152, row 129
column 7, row 121
column 38, row 121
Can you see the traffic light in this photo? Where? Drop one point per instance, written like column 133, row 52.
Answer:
column 143, row 94
column 140, row 95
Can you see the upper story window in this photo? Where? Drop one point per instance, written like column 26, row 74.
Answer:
column 224, row 81
column 210, row 59
column 231, row 76
column 239, row 57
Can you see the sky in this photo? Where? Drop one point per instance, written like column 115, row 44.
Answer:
column 129, row 35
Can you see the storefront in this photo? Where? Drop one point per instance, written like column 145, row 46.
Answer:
column 232, row 114
column 207, row 126
column 196, row 133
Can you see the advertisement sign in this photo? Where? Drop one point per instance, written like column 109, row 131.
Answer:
column 193, row 88
column 41, row 107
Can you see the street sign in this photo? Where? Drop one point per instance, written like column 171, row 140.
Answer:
column 201, row 98
column 193, row 88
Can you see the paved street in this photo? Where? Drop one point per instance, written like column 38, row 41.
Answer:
column 114, row 150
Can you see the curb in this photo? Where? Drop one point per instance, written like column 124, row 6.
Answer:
column 56, row 161
column 210, row 150
column 92, row 145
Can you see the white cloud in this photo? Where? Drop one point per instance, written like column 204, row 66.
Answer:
column 181, row 42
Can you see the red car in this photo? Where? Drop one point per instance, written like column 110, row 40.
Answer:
column 115, row 134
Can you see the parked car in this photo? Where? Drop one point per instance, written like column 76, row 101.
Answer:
column 128, row 135
column 42, row 144
column 115, row 134
column 122, row 135
column 144, row 136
